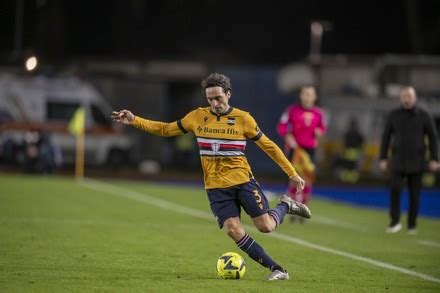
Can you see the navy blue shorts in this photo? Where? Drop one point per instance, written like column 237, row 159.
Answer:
column 227, row 202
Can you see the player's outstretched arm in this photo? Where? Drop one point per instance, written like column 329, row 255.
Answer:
column 123, row 116
column 253, row 132
column 153, row 127
column 275, row 153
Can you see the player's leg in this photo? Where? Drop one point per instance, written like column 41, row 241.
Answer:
column 307, row 191
column 414, row 189
column 256, row 205
column 309, row 175
column 293, row 193
column 396, row 184
column 234, row 229
column 225, row 205
column 246, row 243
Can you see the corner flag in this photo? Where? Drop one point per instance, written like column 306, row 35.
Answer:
column 77, row 126
column 77, row 123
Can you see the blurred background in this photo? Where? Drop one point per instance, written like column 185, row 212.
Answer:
column 150, row 56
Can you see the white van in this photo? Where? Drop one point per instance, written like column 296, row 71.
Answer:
column 46, row 105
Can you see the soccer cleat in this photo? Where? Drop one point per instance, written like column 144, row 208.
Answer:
column 394, row 229
column 295, row 207
column 412, row 231
column 278, row 275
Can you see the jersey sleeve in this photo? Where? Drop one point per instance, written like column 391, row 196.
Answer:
column 166, row 129
column 283, row 124
column 321, row 122
column 251, row 129
column 275, row 153
column 186, row 124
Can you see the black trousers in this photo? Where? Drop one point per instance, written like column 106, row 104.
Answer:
column 414, row 181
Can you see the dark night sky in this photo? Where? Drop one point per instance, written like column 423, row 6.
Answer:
column 214, row 31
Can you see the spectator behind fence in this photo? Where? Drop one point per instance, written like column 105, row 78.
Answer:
column 353, row 141
column 405, row 131
column 49, row 155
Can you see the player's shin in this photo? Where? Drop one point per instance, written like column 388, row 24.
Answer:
column 278, row 213
column 257, row 253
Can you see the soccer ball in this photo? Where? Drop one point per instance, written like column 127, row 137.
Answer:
column 231, row 265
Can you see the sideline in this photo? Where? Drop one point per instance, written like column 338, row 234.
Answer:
column 429, row 243
column 338, row 223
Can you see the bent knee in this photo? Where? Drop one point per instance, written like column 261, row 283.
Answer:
column 234, row 233
column 234, row 230
column 266, row 228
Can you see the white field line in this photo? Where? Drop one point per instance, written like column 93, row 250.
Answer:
column 338, row 223
column 85, row 222
column 326, row 220
column 151, row 200
column 429, row 243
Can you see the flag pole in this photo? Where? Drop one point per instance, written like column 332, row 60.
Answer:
column 77, row 128
column 79, row 156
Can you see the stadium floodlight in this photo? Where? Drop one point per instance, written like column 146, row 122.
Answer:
column 317, row 29
column 31, row 63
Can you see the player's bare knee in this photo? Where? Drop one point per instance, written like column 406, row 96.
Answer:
column 233, row 233
column 234, row 229
column 266, row 227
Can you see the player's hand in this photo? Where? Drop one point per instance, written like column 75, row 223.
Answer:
column 291, row 142
column 298, row 182
column 123, row 116
column 318, row 132
column 383, row 164
column 433, row 166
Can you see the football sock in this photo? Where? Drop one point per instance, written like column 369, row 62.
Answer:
column 279, row 212
column 257, row 253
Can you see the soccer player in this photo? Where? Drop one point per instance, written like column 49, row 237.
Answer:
column 301, row 125
column 221, row 133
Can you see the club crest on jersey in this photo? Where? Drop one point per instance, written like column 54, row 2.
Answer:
column 231, row 120
column 215, row 146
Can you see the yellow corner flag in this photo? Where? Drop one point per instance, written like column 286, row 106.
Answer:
column 78, row 121
column 77, row 127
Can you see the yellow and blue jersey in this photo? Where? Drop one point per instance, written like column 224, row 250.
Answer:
column 222, row 143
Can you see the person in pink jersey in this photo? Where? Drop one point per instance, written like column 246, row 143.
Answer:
column 301, row 125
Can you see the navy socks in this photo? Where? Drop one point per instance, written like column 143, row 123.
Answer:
column 257, row 253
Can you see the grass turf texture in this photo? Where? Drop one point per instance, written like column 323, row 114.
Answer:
column 57, row 235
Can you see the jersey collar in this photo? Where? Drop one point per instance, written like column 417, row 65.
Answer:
column 223, row 114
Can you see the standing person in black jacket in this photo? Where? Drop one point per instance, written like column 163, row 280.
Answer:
column 405, row 130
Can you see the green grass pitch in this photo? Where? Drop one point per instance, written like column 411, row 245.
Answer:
column 59, row 235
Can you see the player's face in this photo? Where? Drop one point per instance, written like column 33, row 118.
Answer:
column 218, row 99
column 408, row 98
column 308, row 97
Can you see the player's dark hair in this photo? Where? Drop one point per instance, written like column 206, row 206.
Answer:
column 217, row 79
